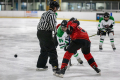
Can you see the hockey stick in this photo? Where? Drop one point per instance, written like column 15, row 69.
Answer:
column 70, row 59
column 93, row 35
column 69, row 63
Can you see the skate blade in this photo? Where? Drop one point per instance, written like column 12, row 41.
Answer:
column 61, row 75
column 114, row 50
column 99, row 73
column 58, row 75
column 80, row 64
column 54, row 73
column 40, row 69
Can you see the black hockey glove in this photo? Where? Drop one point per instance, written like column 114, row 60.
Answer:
column 103, row 33
column 69, row 30
column 98, row 32
column 65, row 48
column 111, row 26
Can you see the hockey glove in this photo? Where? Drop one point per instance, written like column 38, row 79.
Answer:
column 98, row 32
column 103, row 33
column 111, row 26
column 65, row 48
column 69, row 30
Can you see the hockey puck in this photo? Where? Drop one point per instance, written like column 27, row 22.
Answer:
column 15, row 55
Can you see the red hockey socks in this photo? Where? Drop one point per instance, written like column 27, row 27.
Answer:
column 66, row 59
column 90, row 59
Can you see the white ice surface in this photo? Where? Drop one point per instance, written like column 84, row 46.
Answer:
column 18, row 36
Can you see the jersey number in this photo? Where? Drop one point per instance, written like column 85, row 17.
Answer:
column 81, row 30
column 60, row 40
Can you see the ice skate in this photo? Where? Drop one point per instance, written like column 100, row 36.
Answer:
column 61, row 72
column 114, row 49
column 96, row 69
column 80, row 61
column 100, row 48
column 113, row 46
column 55, row 69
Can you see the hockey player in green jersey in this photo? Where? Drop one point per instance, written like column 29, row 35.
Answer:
column 105, row 26
column 63, row 39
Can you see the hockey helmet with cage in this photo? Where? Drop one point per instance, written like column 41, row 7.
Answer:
column 106, row 15
column 64, row 23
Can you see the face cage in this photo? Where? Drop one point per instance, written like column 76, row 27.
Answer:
column 106, row 16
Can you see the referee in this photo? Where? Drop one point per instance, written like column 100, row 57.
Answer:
column 45, row 27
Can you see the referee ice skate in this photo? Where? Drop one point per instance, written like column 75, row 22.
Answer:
column 45, row 27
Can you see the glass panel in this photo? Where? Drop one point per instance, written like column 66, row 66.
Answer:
column 88, row 5
column 108, row 5
column 23, row 5
column 119, row 5
column 64, row 6
column 100, row 6
column 74, row 6
column 69, row 7
column 2, row 4
column 15, row 4
column 9, row 5
column 37, row 4
column 94, row 6
column 30, row 5
column 79, row 6
column 84, row 5
column 114, row 5
column 42, row 5
column 0, row 7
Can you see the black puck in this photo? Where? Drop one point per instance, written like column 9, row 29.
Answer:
column 15, row 55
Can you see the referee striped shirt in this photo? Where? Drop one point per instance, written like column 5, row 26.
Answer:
column 47, row 21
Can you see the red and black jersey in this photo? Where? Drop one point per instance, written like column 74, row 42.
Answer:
column 77, row 32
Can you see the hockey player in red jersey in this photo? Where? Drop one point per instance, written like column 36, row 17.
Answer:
column 80, row 39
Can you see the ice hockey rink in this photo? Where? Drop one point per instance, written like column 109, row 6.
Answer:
column 18, row 36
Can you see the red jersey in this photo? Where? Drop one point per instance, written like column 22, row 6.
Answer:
column 78, row 32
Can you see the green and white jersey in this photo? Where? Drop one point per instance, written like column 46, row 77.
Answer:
column 62, row 38
column 102, row 23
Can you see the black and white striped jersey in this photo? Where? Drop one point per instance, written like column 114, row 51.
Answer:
column 47, row 21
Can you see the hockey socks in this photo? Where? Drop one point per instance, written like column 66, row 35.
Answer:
column 66, row 59
column 90, row 59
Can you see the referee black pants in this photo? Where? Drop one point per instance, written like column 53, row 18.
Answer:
column 47, row 49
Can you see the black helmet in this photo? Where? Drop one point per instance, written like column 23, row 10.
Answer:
column 106, row 15
column 64, row 23
column 75, row 20
column 54, row 4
